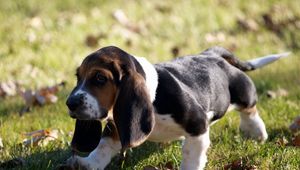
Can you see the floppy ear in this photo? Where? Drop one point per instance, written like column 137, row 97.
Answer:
column 133, row 111
column 87, row 135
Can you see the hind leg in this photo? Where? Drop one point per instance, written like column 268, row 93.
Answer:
column 251, row 124
column 243, row 94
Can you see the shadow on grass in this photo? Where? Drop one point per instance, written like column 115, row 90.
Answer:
column 39, row 160
column 278, row 133
column 52, row 159
column 135, row 155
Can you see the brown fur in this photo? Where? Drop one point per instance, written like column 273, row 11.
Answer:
column 249, row 111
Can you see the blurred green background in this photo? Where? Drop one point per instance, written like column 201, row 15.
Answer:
column 42, row 43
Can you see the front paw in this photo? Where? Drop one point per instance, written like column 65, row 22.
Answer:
column 76, row 162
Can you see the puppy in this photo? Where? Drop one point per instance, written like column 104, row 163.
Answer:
column 168, row 101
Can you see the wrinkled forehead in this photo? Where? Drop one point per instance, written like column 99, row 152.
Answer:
column 95, row 62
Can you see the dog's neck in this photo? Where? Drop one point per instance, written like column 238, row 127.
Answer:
column 151, row 76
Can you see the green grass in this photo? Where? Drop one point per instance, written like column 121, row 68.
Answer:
column 57, row 46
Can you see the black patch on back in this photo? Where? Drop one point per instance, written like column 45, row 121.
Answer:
column 191, row 86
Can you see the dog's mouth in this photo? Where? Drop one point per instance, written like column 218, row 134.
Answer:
column 82, row 115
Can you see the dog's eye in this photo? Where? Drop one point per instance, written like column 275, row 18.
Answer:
column 99, row 79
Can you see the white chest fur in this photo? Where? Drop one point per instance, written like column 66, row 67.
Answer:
column 166, row 129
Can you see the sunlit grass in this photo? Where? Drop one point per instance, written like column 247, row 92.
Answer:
column 47, row 51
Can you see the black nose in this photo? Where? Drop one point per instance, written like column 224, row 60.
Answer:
column 74, row 101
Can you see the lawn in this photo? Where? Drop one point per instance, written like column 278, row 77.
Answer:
column 42, row 43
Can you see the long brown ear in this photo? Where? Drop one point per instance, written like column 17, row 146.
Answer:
column 133, row 111
column 87, row 135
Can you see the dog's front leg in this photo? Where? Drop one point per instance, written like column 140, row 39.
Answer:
column 194, row 152
column 100, row 157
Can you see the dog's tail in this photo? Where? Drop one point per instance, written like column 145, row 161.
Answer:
column 262, row 61
column 246, row 65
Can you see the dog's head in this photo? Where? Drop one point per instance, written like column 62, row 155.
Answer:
column 111, row 80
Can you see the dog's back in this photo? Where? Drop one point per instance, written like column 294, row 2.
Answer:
column 201, row 83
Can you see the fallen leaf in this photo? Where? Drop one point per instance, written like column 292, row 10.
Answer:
column 42, row 96
column 239, row 164
column 271, row 94
column 13, row 163
column 278, row 93
column 40, row 137
column 169, row 166
column 1, row 144
column 163, row 8
column 247, row 24
column 175, row 51
column 282, row 141
column 282, row 92
column 296, row 141
column 9, row 88
column 295, row 126
column 215, row 37
column 120, row 16
column 36, row 22
column 92, row 40
column 280, row 17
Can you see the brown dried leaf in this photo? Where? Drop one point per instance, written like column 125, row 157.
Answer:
column 282, row 141
column 295, row 126
column 240, row 164
column 175, row 51
column 42, row 96
column 91, row 41
column 279, row 17
column 247, row 24
column 163, row 8
column 296, row 141
column 40, row 137
column 120, row 16
column 169, row 166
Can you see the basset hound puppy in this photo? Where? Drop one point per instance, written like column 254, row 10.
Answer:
column 168, row 101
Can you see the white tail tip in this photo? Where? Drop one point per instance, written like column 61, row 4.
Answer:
column 262, row 61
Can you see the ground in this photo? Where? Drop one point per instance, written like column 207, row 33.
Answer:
column 42, row 43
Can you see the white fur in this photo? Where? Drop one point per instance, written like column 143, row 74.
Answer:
column 194, row 152
column 151, row 76
column 90, row 104
column 166, row 129
column 100, row 157
column 262, row 61
column 210, row 115
column 253, row 126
